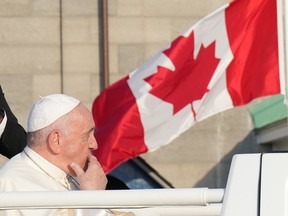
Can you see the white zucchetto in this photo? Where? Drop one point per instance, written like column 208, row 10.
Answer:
column 48, row 109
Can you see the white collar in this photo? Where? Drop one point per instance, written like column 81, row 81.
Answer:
column 45, row 166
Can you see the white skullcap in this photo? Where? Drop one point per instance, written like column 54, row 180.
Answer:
column 48, row 109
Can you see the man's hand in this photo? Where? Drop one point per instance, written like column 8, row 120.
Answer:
column 93, row 178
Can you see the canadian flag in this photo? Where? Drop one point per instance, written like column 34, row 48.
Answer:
column 227, row 59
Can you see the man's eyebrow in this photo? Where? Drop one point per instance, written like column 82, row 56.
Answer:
column 89, row 131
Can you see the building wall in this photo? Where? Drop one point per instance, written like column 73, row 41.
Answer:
column 44, row 51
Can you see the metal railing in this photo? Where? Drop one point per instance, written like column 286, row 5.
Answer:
column 192, row 201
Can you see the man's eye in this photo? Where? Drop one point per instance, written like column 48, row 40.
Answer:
column 89, row 135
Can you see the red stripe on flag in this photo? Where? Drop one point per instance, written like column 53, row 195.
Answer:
column 252, row 33
column 119, row 131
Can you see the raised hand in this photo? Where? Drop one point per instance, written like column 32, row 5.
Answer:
column 93, row 178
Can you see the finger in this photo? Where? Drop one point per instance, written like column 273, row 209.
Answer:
column 92, row 159
column 93, row 162
column 95, row 167
column 76, row 168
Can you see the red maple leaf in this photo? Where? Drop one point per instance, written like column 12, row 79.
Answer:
column 190, row 79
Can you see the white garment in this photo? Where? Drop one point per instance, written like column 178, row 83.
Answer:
column 3, row 124
column 20, row 173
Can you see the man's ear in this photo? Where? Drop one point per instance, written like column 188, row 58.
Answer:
column 54, row 142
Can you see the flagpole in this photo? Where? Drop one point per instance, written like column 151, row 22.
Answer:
column 286, row 42
column 285, row 26
column 282, row 48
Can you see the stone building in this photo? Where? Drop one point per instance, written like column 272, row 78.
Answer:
column 53, row 46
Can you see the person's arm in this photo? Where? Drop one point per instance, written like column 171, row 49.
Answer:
column 13, row 135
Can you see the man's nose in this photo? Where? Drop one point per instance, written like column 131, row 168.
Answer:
column 93, row 143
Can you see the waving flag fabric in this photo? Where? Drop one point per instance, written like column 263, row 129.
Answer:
column 227, row 59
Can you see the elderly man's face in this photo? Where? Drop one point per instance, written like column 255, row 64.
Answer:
column 80, row 140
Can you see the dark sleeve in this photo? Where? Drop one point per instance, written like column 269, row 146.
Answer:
column 13, row 138
column 115, row 183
